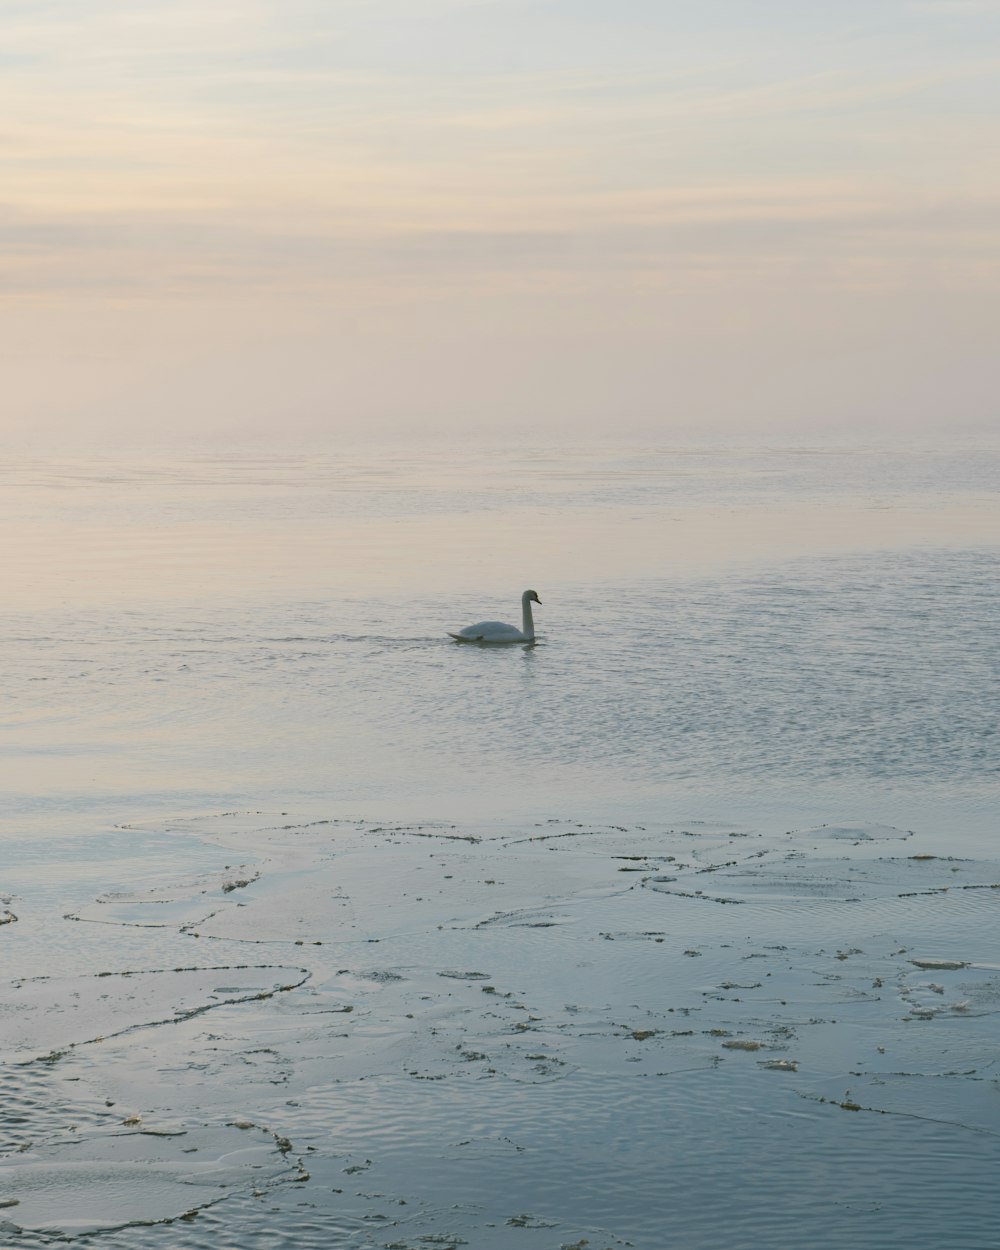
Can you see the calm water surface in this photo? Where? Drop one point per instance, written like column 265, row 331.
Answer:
column 774, row 632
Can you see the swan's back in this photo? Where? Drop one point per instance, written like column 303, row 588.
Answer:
column 489, row 631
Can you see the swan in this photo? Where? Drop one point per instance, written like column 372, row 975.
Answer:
column 499, row 631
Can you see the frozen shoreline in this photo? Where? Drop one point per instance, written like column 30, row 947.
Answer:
column 540, row 1035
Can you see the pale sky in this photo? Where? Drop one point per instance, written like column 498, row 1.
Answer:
column 333, row 217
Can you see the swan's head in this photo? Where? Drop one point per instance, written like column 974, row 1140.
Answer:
column 530, row 596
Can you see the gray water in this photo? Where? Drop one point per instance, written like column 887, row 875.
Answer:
column 814, row 632
column 754, row 639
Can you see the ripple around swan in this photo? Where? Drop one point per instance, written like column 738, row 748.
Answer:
column 738, row 682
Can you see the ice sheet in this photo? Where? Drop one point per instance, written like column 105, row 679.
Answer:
column 562, row 1033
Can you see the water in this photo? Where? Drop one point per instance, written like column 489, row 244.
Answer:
column 772, row 626
column 733, row 642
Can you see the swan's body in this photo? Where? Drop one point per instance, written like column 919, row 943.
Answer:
column 500, row 631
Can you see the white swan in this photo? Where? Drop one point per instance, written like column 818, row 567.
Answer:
column 499, row 631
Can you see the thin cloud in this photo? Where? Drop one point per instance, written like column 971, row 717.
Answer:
column 473, row 171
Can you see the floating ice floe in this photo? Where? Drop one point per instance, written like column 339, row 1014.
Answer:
column 854, row 833
column 118, row 1177
column 43, row 1016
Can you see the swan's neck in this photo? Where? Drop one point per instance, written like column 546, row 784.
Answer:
column 527, row 623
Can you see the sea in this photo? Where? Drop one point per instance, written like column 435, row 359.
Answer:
column 737, row 641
